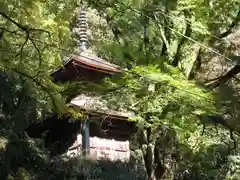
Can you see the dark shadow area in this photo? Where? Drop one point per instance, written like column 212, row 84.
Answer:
column 99, row 170
column 17, row 111
column 214, row 161
column 21, row 157
column 60, row 133
column 211, row 162
column 228, row 102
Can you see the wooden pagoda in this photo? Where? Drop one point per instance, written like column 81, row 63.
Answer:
column 107, row 139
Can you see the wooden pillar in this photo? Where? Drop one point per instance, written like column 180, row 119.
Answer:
column 85, row 137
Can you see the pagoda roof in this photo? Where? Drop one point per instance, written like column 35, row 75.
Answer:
column 97, row 105
column 90, row 61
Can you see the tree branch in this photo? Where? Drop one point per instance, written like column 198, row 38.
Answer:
column 165, row 48
column 223, row 79
column 187, row 33
column 25, row 28
column 28, row 30
column 38, row 83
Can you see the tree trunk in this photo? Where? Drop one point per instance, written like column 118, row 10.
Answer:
column 223, row 79
column 177, row 57
column 187, row 33
column 196, row 66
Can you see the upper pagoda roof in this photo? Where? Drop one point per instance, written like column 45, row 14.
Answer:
column 90, row 61
column 95, row 62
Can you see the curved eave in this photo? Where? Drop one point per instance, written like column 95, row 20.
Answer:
column 96, row 65
column 68, row 61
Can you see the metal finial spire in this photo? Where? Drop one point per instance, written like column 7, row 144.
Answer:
column 82, row 30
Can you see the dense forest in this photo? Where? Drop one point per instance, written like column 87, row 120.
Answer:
column 181, row 79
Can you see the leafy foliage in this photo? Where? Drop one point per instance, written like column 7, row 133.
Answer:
column 31, row 33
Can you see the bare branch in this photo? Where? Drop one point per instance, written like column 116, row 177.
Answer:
column 24, row 28
column 223, row 79
column 22, row 48
column 39, row 56
column 1, row 33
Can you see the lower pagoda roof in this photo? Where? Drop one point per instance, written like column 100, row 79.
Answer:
column 97, row 105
